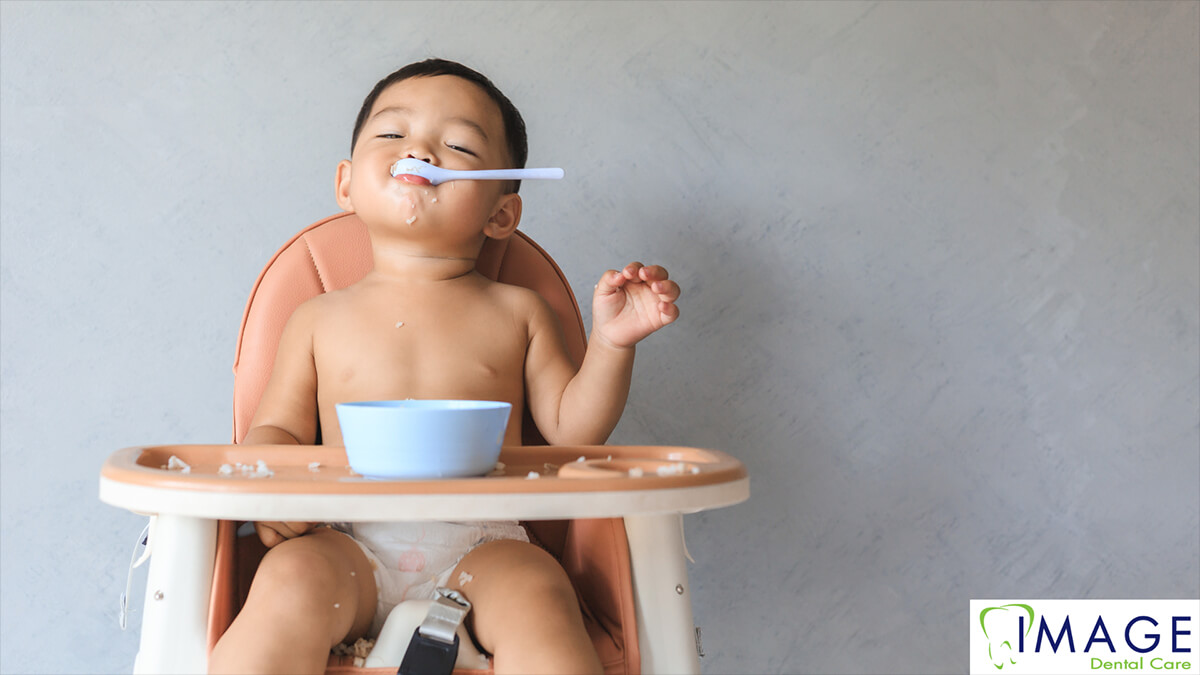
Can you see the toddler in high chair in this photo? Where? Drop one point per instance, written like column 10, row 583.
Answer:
column 424, row 324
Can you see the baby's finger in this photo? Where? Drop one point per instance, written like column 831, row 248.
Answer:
column 610, row 281
column 654, row 273
column 275, row 532
column 668, row 291
column 282, row 529
column 631, row 270
column 668, row 311
column 268, row 535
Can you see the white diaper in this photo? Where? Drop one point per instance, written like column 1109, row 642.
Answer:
column 413, row 559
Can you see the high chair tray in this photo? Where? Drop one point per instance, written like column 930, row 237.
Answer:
column 316, row 483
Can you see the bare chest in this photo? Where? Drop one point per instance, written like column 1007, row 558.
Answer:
column 421, row 352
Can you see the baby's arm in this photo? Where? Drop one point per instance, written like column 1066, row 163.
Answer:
column 287, row 412
column 583, row 407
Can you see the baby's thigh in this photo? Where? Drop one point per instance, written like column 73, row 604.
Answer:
column 509, row 581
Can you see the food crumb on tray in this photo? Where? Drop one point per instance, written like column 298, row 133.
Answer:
column 676, row 469
column 257, row 470
column 176, row 464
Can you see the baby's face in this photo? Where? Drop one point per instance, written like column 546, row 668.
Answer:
column 446, row 121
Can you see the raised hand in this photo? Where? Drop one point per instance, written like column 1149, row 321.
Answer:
column 632, row 303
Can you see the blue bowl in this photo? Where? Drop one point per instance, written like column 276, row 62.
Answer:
column 423, row 439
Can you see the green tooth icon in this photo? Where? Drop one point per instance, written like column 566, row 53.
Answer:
column 1001, row 651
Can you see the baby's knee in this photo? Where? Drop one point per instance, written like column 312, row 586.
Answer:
column 297, row 564
column 547, row 579
column 534, row 578
column 550, row 593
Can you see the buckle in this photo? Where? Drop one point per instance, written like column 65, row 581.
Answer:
column 434, row 646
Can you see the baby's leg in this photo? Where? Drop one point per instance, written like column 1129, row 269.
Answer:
column 524, row 610
column 309, row 594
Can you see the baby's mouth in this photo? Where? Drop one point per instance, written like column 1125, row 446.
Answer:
column 413, row 179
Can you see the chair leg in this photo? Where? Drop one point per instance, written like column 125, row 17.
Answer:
column 175, row 619
column 666, row 634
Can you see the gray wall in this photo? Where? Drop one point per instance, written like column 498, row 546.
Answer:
column 941, row 267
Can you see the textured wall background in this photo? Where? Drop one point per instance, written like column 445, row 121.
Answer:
column 941, row 267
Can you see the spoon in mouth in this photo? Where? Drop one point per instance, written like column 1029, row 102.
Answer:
column 437, row 175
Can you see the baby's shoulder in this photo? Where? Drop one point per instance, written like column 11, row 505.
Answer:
column 515, row 297
column 321, row 307
column 526, row 307
column 317, row 305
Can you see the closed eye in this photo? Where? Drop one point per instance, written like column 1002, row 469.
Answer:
column 390, row 136
column 459, row 148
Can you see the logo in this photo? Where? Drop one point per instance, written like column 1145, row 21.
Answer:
column 1001, row 652
column 1023, row 637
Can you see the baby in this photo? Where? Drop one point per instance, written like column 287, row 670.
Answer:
column 425, row 324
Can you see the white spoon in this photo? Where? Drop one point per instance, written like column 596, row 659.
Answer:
column 437, row 175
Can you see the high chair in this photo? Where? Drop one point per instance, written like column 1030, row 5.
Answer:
column 612, row 515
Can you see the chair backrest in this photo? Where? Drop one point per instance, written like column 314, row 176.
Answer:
column 336, row 252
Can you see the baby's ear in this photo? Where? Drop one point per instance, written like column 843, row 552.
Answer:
column 342, row 185
column 506, row 218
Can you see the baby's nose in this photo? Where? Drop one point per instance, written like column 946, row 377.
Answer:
column 426, row 157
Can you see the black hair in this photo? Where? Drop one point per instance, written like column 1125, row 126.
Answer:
column 514, row 125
